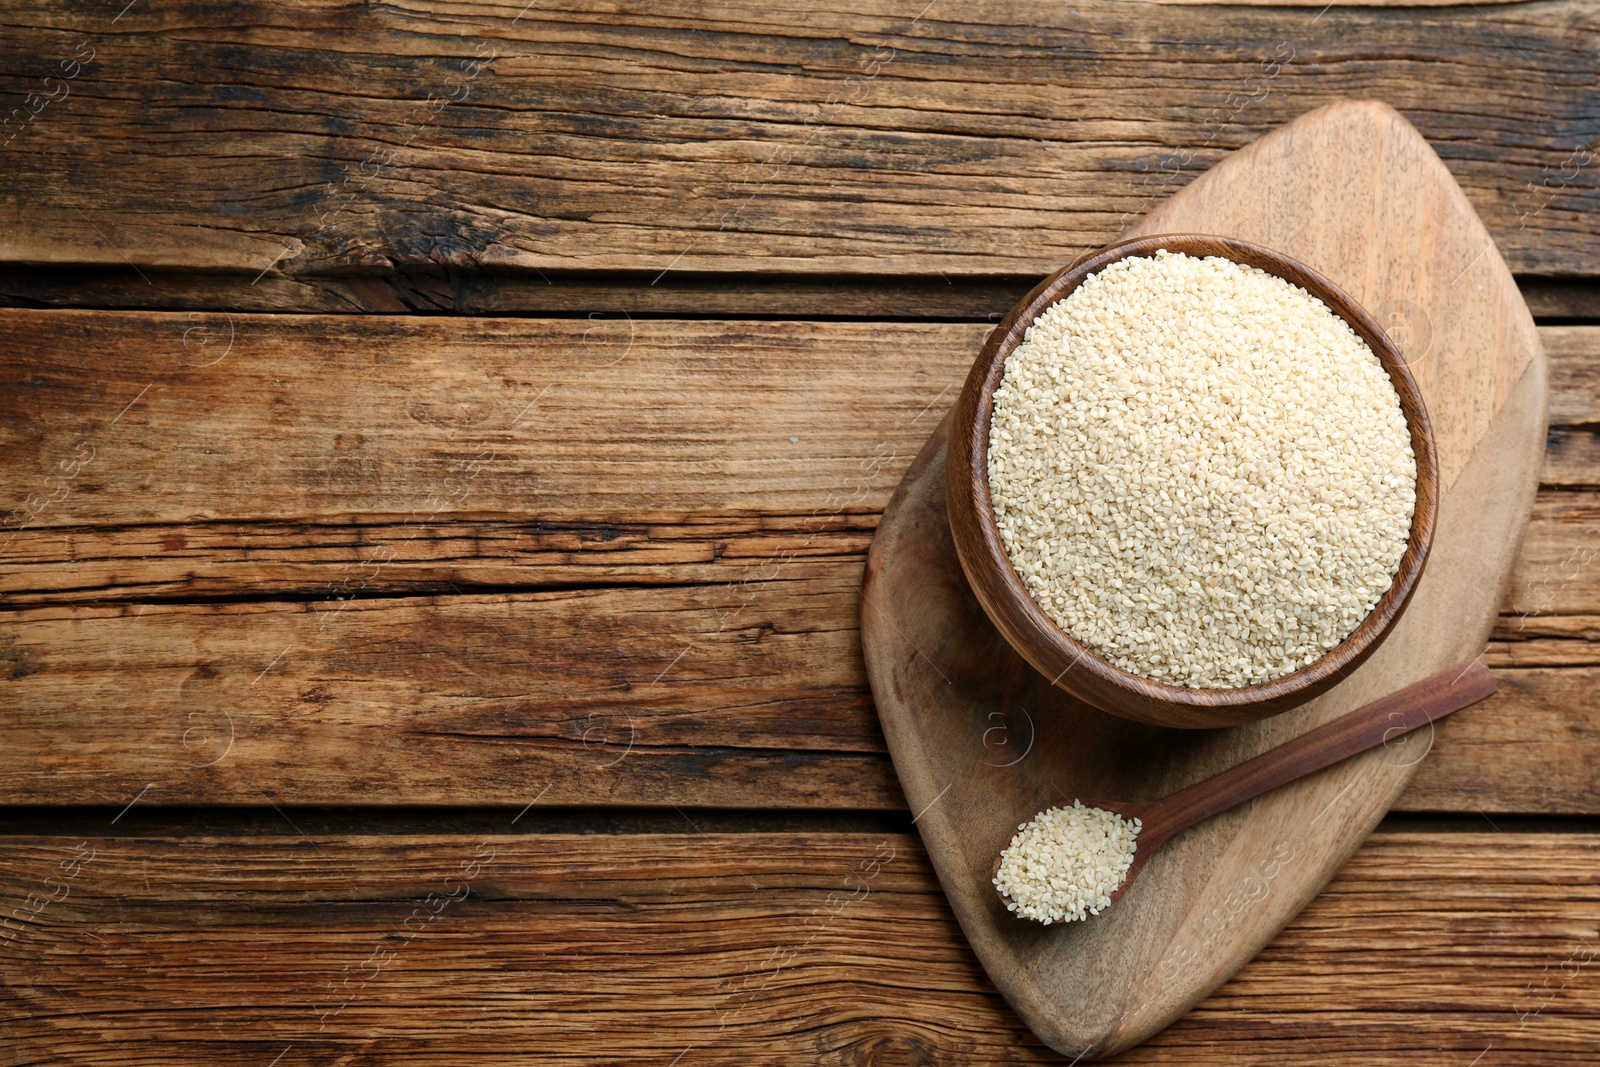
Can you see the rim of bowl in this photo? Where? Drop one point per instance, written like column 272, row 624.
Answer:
column 1356, row 645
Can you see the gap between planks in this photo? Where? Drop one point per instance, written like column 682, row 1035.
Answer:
column 598, row 295
column 148, row 821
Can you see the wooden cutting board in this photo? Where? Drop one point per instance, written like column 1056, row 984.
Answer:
column 981, row 742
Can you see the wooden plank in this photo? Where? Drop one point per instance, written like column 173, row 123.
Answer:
column 227, row 560
column 1561, row 298
column 1574, row 354
column 692, row 696
column 573, row 949
column 250, row 418
column 751, row 460
column 412, row 419
column 1548, row 716
column 1545, row 641
column 237, row 481
column 717, row 695
column 988, row 138
column 1556, row 573
column 1572, row 457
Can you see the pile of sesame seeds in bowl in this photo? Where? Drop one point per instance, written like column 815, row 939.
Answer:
column 1199, row 471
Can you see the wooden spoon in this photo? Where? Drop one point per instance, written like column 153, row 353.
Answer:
column 1376, row 723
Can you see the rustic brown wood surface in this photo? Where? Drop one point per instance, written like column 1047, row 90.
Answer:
column 255, row 562
column 991, row 137
column 834, row 949
column 131, row 595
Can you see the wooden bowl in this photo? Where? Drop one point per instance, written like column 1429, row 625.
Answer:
column 1076, row 668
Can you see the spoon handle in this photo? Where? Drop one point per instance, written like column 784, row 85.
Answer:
column 1376, row 723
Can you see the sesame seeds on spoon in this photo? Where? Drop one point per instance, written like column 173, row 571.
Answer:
column 1066, row 863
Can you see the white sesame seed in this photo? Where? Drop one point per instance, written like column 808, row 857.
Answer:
column 1200, row 471
column 1066, row 863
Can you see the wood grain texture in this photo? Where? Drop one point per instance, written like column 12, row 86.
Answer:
column 620, row 696
column 941, row 672
column 318, row 136
column 414, row 420
column 603, row 294
column 831, row 949
column 493, row 698
column 274, row 155
column 770, row 558
column 242, row 465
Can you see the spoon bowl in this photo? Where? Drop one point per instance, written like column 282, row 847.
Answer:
column 1145, row 844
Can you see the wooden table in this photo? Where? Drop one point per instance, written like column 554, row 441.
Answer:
column 441, row 442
